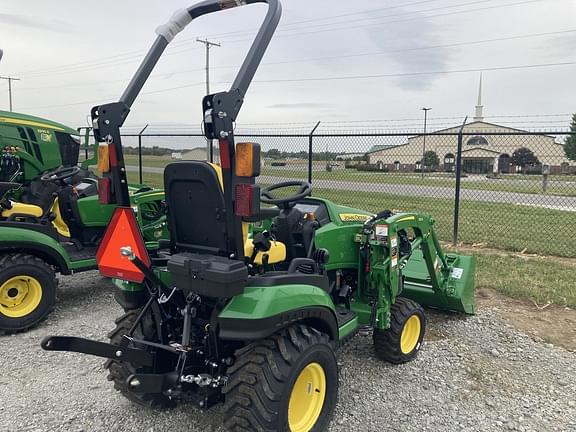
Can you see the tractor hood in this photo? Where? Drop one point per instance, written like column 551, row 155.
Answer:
column 32, row 145
column 12, row 118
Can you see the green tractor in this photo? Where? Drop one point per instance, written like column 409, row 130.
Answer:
column 51, row 218
column 248, row 304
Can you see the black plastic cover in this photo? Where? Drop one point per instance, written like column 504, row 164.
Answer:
column 69, row 149
column 208, row 275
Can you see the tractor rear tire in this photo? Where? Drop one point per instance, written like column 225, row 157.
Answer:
column 287, row 382
column 119, row 371
column 27, row 291
column 401, row 342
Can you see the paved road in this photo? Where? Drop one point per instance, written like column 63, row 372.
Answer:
column 538, row 200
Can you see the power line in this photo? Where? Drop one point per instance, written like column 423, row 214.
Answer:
column 106, row 61
column 352, row 77
column 313, row 20
column 407, row 74
column 116, row 97
column 139, row 53
column 328, row 58
column 282, row 28
column 451, row 45
column 379, row 24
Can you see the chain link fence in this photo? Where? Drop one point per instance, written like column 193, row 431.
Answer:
column 511, row 190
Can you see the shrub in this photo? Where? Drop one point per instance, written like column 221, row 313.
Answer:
column 371, row 167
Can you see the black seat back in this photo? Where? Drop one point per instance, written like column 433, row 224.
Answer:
column 40, row 194
column 196, row 209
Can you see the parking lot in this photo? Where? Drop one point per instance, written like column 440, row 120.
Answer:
column 473, row 374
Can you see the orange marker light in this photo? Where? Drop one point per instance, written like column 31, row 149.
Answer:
column 247, row 160
column 103, row 159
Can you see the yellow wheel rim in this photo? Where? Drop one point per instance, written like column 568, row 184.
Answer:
column 20, row 296
column 307, row 398
column 410, row 334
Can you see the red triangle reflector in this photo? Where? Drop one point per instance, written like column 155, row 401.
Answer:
column 122, row 231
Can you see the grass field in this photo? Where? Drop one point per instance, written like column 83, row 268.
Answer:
column 501, row 226
column 558, row 185
column 525, row 184
column 542, row 280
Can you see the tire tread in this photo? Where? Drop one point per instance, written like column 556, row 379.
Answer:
column 257, row 377
column 387, row 342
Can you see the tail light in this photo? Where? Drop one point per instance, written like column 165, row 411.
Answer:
column 246, row 200
column 104, row 190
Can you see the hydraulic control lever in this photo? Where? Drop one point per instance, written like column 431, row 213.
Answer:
column 127, row 252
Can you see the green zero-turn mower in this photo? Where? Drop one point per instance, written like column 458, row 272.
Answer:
column 245, row 304
column 51, row 219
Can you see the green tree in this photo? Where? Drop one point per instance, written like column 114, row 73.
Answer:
column 273, row 153
column 524, row 157
column 431, row 159
column 570, row 143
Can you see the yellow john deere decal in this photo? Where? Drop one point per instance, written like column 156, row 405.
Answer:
column 29, row 123
column 408, row 218
column 353, row 217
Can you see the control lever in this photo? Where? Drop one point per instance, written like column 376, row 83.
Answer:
column 126, row 251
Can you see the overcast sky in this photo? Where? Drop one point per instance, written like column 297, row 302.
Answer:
column 71, row 55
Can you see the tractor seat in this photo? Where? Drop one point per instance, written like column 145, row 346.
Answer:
column 10, row 208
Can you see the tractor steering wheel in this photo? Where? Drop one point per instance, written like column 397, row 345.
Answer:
column 60, row 174
column 266, row 196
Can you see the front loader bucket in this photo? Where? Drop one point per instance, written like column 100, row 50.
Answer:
column 455, row 293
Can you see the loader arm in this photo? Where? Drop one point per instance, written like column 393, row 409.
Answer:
column 425, row 274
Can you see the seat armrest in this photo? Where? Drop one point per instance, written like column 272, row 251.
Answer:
column 297, row 262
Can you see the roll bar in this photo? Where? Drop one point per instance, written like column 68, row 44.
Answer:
column 182, row 18
column 220, row 110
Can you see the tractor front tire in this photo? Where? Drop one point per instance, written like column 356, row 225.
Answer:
column 401, row 342
column 119, row 371
column 287, row 383
column 27, row 291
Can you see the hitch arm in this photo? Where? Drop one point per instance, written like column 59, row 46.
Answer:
column 99, row 349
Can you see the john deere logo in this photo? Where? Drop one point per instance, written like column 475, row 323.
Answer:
column 353, row 217
column 45, row 137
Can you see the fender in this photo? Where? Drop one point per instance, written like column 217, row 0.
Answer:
column 36, row 243
column 261, row 311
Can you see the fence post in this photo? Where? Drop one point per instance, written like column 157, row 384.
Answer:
column 140, row 155
column 458, row 179
column 310, row 152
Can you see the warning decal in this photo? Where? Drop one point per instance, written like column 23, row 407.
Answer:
column 457, row 273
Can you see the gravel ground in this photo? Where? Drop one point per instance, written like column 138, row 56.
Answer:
column 473, row 374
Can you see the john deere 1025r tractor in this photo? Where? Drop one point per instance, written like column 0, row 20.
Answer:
column 51, row 219
column 247, row 305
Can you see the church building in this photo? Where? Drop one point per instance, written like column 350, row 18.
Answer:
column 483, row 150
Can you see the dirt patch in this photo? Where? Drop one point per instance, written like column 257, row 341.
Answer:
column 552, row 324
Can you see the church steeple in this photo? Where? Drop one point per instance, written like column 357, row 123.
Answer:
column 479, row 115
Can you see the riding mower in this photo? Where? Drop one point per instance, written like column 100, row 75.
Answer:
column 51, row 219
column 247, row 304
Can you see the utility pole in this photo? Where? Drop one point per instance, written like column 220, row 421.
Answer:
column 208, row 45
column 10, row 79
column 424, row 140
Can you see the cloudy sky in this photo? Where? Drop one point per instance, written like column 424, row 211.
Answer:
column 331, row 60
